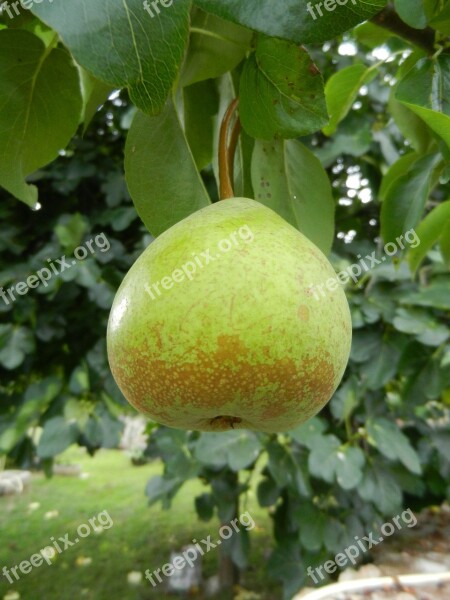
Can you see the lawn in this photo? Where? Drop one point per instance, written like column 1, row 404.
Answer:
column 140, row 538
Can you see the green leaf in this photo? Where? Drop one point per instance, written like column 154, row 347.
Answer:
column 236, row 449
column 421, row 323
column 430, row 232
column 306, row 431
column 349, row 467
column 412, row 12
column 15, row 344
column 383, row 366
column 379, row 487
column 435, row 295
column 285, row 565
column 341, row 91
column 160, row 171
column 323, row 460
column 312, row 522
column 411, row 126
column 288, row 178
column 406, row 197
column 345, row 400
column 200, row 107
column 401, row 167
column 215, row 47
column 392, row 443
column 95, row 93
column 162, row 488
column 123, row 45
column 441, row 21
column 353, row 139
column 291, row 19
column 267, row 492
column 204, row 505
column 425, row 89
column 41, row 104
column 70, row 232
column 58, row 435
column 281, row 92
column 287, row 470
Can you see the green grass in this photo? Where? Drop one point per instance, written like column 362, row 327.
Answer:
column 141, row 536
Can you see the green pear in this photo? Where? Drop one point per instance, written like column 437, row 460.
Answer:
column 217, row 324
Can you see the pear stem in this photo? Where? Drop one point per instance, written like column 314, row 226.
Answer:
column 227, row 151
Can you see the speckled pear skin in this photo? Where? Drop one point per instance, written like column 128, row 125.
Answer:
column 244, row 344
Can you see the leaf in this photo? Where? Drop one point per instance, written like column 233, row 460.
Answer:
column 162, row 488
column 425, row 89
column 435, row 295
column 285, row 565
column 41, row 104
column 58, row 435
column 288, row 178
column 70, row 232
column 200, row 107
column 401, row 167
column 441, row 21
column 160, row 171
column 123, row 45
column 287, row 470
column 204, row 505
column 406, row 198
column 379, row 487
column 383, row 366
column 312, row 522
column 353, row 139
column 95, row 93
column 236, row 449
column 412, row 12
column 392, row 443
column 349, row 467
column 323, row 459
column 430, row 232
column 411, row 126
column 341, row 91
column 215, row 47
column 267, row 492
column 291, row 19
column 15, row 344
column 345, row 400
column 418, row 322
column 306, row 431
column 281, row 92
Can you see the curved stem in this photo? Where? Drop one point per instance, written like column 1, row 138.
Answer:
column 234, row 139
column 226, row 153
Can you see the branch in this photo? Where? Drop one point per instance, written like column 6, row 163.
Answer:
column 389, row 19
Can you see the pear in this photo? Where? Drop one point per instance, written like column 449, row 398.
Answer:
column 216, row 326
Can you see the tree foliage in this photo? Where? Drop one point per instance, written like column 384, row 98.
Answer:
column 370, row 102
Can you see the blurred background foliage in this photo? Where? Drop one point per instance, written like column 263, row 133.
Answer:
column 382, row 443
